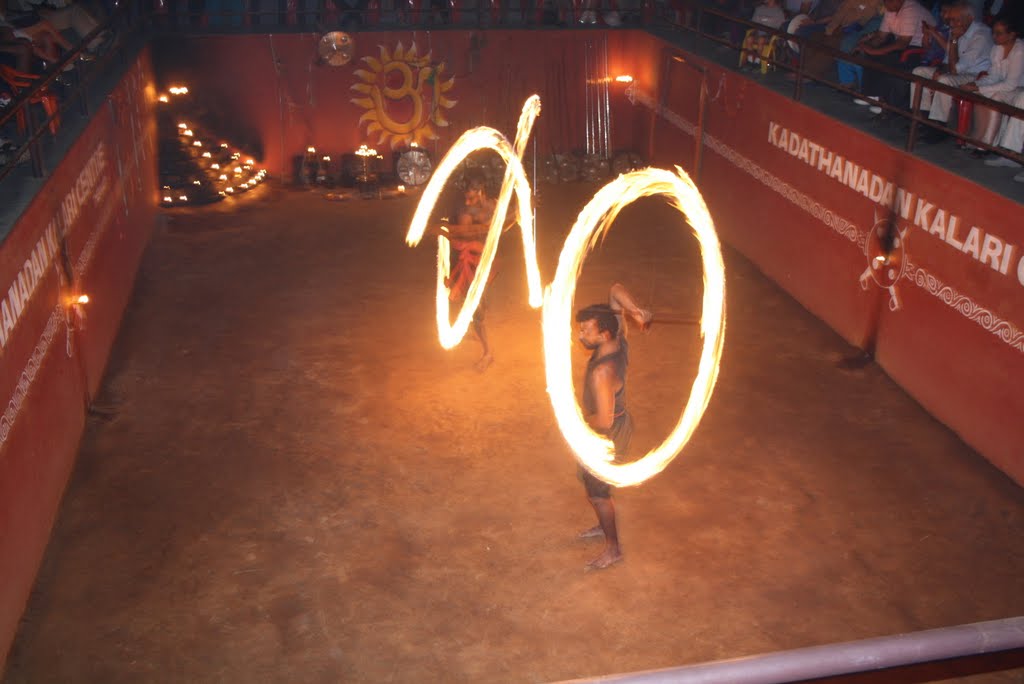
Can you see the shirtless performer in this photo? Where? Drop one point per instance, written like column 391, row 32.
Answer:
column 602, row 331
column 467, row 236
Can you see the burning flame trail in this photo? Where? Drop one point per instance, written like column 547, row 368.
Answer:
column 450, row 334
column 594, row 451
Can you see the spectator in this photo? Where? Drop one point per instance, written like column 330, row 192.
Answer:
column 842, row 30
column 1011, row 135
column 936, row 37
column 902, row 27
column 63, row 15
column 968, row 54
column 819, row 18
column 998, row 83
column 46, row 40
column 769, row 13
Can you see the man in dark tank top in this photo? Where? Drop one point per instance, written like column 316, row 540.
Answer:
column 602, row 331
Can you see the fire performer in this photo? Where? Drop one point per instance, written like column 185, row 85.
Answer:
column 466, row 236
column 602, row 330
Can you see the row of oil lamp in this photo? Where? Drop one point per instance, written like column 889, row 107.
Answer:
column 224, row 168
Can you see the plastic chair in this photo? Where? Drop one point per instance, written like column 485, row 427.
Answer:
column 919, row 52
column 18, row 81
column 964, row 118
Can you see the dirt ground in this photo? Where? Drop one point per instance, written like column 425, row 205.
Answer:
column 298, row 484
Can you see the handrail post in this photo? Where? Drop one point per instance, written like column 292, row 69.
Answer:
column 698, row 28
column 798, row 87
column 35, row 146
column 915, row 112
column 83, row 96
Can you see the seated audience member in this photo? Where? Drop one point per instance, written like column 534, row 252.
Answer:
column 902, row 28
column 968, row 54
column 1004, row 77
column 818, row 17
column 46, row 40
column 936, row 37
column 841, row 30
column 64, row 15
column 769, row 13
column 1011, row 135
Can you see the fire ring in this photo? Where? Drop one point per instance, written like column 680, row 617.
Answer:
column 595, row 452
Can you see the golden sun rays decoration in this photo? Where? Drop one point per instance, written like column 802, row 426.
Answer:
column 404, row 96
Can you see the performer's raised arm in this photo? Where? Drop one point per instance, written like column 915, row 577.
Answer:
column 623, row 304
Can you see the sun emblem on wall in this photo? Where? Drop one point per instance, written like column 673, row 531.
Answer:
column 404, row 96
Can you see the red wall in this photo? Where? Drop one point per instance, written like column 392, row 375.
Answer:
column 270, row 91
column 100, row 204
column 954, row 340
column 951, row 328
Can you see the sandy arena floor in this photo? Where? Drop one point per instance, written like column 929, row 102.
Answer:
column 299, row 485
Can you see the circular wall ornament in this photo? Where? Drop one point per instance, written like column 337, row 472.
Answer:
column 336, row 48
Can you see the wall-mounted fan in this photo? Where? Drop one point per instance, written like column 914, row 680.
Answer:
column 336, row 48
column 413, row 166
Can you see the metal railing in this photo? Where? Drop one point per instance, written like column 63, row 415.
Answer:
column 434, row 14
column 699, row 14
column 83, row 75
column 178, row 16
column 843, row 658
column 773, row 668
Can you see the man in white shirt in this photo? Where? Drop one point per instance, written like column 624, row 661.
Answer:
column 902, row 27
column 968, row 54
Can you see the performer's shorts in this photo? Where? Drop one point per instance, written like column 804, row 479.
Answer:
column 621, row 432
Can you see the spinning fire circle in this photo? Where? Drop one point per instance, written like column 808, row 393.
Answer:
column 594, row 451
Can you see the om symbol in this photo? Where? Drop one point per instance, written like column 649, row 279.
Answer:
column 395, row 86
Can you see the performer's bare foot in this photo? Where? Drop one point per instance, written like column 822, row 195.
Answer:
column 484, row 362
column 609, row 557
column 594, row 532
